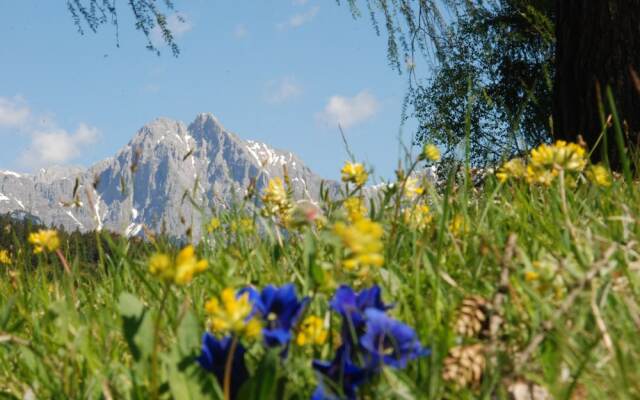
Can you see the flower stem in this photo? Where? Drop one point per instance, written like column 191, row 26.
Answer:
column 67, row 270
column 227, row 369
column 64, row 261
column 156, row 343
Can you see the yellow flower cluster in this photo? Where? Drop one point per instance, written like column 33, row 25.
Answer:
column 363, row 242
column 545, row 276
column 599, row 175
column 412, row 188
column 312, row 332
column 458, row 225
column 545, row 163
column 243, row 226
column 355, row 208
column 354, row 173
column 230, row 314
column 213, row 225
column 512, row 169
column 5, row 258
column 276, row 200
column 560, row 155
column 44, row 240
column 418, row 216
column 431, row 152
column 179, row 271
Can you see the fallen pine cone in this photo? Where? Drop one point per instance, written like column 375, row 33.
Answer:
column 526, row 390
column 464, row 365
column 473, row 317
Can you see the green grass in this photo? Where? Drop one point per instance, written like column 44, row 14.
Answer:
column 573, row 331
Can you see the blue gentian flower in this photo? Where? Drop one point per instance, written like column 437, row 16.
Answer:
column 390, row 341
column 280, row 309
column 352, row 306
column 339, row 379
column 214, row 357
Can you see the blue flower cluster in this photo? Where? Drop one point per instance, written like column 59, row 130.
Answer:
column 370, row 339
column 279, row 308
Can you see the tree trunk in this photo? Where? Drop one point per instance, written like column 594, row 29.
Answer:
column 597, row 45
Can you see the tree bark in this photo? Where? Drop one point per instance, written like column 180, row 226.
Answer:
column 597, row 45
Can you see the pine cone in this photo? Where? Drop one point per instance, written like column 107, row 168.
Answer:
column 526, row 390
column 464, row 365
column 473, row 317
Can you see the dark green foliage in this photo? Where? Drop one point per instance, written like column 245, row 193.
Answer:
column 489, row 76
column 494, row 79
column 79, row 247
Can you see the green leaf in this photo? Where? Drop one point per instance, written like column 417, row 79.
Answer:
column 309, row 257
column 262, row 385
column 188, row 381
column 401, row 386
column 137, row 326
column 5, row 313
column 189, row 334
column 129, row 305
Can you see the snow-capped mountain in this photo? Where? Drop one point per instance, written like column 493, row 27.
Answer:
column 169, row 176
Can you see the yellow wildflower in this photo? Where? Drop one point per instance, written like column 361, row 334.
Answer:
column 547, row 160
column 214, row 224
column 530, row 276
column 44, row 240
column 354, row 173
column 243, row 226
column 431, row 152
column 160, row 265
column 560, row 155
column 187, row 265
column 275, row 192
column 179, row 271
column 541, row 176
column 412, row 188
column 5, row 258
column 230, row 314
column 512, row 169
column 356, row 209
column 599, row 175
column 458, row 225
column 276, row 200
column 312, row 332
column 246, row 225
column 546, row 276
column 418, row 217
column 363, row 242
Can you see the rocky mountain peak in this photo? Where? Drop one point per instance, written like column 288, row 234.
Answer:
column 207, row 126
column 172, row 160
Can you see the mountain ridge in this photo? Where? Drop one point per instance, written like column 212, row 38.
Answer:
column 144, row 182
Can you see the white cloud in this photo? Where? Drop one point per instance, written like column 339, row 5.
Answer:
column 282, row 90
column 14, row 113
column 240, row 31
column 300, row 2
column 177, row 23
column 300, row 19
column 57, row 146
column 349, row 111
column 48, row 143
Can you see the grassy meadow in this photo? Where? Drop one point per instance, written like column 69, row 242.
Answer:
column 521, row 285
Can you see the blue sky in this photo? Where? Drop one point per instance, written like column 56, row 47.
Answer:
column 282, row 71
